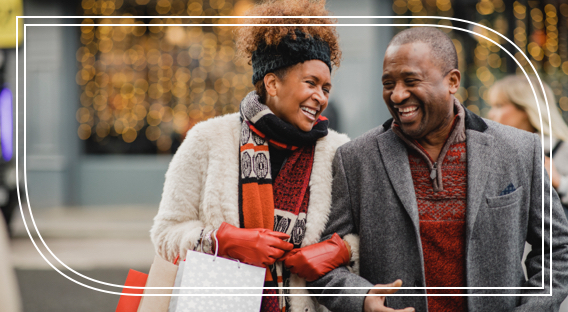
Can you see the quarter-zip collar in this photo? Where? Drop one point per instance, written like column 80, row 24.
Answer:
column 457, row 135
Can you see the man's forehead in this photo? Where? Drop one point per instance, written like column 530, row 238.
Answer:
column 407, row 59
column 413, row 49
column 402, row 70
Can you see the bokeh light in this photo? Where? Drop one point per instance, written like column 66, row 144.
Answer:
column 154, row 82
column 539, row 28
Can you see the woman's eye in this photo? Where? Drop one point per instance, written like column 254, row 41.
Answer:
column 326, row 90
column 311, row 82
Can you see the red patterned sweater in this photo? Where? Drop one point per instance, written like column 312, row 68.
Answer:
column 441, row 191
column 442, row 226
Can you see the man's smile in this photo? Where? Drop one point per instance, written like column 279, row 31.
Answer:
column 407, row 113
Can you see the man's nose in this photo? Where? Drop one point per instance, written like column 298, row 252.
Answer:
column 399, row 94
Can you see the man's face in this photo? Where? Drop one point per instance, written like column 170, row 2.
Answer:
column 417, row 93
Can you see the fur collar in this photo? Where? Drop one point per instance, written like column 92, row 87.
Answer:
column 201, row 192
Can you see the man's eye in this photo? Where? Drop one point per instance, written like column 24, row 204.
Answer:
column 326, row 90
column 387, row 84
column 411, row 81
column 311, row 82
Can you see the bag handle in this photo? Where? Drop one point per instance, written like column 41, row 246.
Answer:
column 216, row 244
column 217, row 249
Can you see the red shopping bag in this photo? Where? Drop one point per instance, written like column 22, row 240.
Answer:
column 130, row 303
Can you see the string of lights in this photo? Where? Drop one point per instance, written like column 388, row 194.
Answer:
column 143, row 87
column 150, row 84
column 538, row 27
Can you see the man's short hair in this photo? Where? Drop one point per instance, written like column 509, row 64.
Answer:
column 442, row 48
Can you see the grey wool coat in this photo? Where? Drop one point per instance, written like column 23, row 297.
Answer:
column 373, row 196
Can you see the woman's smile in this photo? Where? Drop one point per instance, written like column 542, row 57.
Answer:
column 302, row 95
column 310, row 113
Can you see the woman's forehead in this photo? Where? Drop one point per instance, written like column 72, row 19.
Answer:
column 312, row 67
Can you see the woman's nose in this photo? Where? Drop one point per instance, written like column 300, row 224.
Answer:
column 320, row 97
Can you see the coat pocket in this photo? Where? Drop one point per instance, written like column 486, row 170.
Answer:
column 505, row 200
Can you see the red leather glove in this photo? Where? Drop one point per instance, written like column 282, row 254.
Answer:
column 314, row 261
column 260, row 247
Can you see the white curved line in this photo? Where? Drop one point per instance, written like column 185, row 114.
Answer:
column 396, row 17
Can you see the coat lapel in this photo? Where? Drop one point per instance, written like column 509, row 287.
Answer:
column 395, row 160
column 479, row 160
column 479, row 163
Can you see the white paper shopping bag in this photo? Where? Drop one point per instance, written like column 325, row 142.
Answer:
column 203, row 270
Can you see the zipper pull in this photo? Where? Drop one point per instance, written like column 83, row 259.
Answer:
column 434, row 171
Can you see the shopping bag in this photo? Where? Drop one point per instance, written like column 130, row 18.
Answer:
column 204, row 270
column 130, row 303
column 174, row 299
column 162, row 274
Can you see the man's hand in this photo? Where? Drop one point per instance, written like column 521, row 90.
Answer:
column 377, row 303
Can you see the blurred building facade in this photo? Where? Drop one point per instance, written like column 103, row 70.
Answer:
column 106, row 106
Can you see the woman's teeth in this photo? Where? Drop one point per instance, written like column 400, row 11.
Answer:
column 309, row 110
column 310, row 113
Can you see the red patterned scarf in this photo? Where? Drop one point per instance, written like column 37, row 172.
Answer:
column 280, row 204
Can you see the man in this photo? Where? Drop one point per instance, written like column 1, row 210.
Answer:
column 443, row 198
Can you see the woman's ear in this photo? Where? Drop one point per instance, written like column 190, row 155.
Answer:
column 271, row 84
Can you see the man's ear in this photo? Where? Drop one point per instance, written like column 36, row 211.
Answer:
column 271, row 84
column 454, row 78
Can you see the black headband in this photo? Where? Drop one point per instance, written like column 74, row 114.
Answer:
column 267, row 59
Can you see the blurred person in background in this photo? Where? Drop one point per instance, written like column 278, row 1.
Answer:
column 259, row 181
column 441, row 197
column 9, row 291
column 513, row 104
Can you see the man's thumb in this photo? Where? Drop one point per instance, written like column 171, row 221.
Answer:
column 396, row 284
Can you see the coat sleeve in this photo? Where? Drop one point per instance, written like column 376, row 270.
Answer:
column 553, row 248
column 340, row 221
column 177, row 226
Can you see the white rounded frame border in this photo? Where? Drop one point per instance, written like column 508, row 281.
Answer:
column 236, row 25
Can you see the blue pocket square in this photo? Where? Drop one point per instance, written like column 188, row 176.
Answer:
column 509, row 189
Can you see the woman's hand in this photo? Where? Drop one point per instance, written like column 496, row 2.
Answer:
column 314, row 261
column 554, row 175
column 260, row 247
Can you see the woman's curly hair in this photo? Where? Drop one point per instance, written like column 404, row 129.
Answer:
column 249, row 37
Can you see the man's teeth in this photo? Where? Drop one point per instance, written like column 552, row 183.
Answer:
column 309, row 110
column 407, row 109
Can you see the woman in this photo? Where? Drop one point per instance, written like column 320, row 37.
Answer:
column 260, row 180
column 513, row 103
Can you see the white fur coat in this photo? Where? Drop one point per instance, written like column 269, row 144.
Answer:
column 201, row 191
